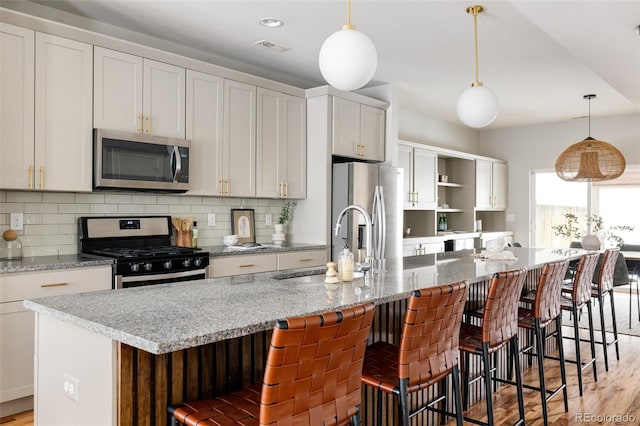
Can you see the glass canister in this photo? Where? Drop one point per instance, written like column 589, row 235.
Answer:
column 10, row 246
column 345, row 265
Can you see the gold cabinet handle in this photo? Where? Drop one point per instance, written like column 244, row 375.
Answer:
column 139, row 123
column 286, row 190
column 226, row 183
column 53, row 285
column 306, row 260
column 220, row 187
column 248, row 265
column 30, row 177
column 280, row 189
column 148, row 118
column 41, row 177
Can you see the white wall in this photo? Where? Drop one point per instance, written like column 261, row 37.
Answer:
column 537, row 147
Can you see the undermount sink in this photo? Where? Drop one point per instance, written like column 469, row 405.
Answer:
column 306, row 279
column 315, row 275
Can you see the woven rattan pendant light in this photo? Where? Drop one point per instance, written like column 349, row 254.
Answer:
column 590, row 160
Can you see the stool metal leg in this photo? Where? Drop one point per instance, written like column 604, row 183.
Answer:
column 603, row 331
column 456, row 398
column 486, row 363
column 563, row 372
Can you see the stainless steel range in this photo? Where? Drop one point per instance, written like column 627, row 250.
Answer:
column 141, row 247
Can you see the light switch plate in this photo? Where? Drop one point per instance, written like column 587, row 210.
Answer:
column 268, row 219
column 211, row 219
column 511, row 217
column 17, row 221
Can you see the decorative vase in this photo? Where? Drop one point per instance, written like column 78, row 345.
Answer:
column 279, row 235
column 590, row 242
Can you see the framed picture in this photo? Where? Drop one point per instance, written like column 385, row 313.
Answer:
column 243, row 224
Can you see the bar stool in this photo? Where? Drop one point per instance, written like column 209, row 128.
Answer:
column 580, row 296
column 312, row 376
column 499, row 327
column 545, row 309
column 603, row 287
column 428, row 351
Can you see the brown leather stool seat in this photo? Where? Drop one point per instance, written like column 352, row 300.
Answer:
column 499, row 328
column 602, row 288
column 545, row 310
column 580, row 295
column 312, row 376
column 428, row 351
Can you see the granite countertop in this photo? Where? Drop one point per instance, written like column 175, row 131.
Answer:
column 49, row 263
column 169, row 317
column 45, row 263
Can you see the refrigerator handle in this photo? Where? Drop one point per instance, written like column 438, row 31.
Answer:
column 375, row 221
column 383, row 223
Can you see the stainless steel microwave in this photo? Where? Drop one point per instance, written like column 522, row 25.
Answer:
column 137, row 161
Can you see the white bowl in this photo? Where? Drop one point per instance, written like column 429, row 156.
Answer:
column 229, row 240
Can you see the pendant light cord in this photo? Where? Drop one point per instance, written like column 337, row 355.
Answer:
column 475, row 37
column 474, row 10
column 348, row 25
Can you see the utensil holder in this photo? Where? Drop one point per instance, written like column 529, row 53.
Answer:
column 183, row 239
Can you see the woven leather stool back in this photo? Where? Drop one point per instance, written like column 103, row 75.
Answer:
column 430, row 334
column 500, row 317
column 607, row 269
column 581, row 292
column 314, row 367
column 547, row 303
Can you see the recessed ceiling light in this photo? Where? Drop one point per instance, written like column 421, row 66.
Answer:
column 271, row 22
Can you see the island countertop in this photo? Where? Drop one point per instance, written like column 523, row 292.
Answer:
column 168, row 317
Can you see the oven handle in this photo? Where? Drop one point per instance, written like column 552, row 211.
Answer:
column 120, row 279
column 178, row 169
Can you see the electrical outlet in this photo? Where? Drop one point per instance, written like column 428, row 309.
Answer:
column 268, row 219
column 211, row 219
column 17, row 221
column 71, row 387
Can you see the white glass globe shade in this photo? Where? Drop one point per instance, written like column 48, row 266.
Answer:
column 477, row 106
column 348, row 60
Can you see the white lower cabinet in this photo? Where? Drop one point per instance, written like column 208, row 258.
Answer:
column 17, row 323
column 419, row 248
column 301, row 259
column 225, row 266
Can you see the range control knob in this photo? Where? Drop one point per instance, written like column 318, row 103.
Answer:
column 135, row 267
column 197, row 261
column 147, row 266
column 186, row 263
column 167, row 264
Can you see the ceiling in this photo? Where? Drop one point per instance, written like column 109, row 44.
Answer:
column 539, row 57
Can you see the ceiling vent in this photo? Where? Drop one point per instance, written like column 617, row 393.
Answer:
column 271, row 45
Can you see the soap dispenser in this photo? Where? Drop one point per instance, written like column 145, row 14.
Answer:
column 345, row 264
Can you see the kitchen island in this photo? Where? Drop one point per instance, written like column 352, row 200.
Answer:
column 129, row 353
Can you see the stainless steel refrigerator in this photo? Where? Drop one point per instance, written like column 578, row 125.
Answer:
column 377, row 189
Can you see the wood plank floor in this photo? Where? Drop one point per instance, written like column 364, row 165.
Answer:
column 616, row 393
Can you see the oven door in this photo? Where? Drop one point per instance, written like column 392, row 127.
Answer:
column 138, row 161
column 123, row 281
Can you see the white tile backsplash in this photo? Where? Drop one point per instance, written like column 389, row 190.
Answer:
column 51, row 219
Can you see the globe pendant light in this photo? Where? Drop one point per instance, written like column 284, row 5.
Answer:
column 590, row 160
column 348, row 58
column 478, row 105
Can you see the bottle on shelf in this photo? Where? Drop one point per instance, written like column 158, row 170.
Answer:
column 442, row 222
column 194, row 234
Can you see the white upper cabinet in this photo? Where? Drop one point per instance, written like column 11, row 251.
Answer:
column 204, row 128
column 47, row 93
column 16, row 105
column 358, row 130
column 491, row 185
column 138, row 95
column 281, row 145
column 419, row 177
column 237, row 160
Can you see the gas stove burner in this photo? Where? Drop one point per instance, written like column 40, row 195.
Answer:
column 125, row 252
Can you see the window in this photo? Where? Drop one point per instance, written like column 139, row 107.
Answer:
column 553, row 198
